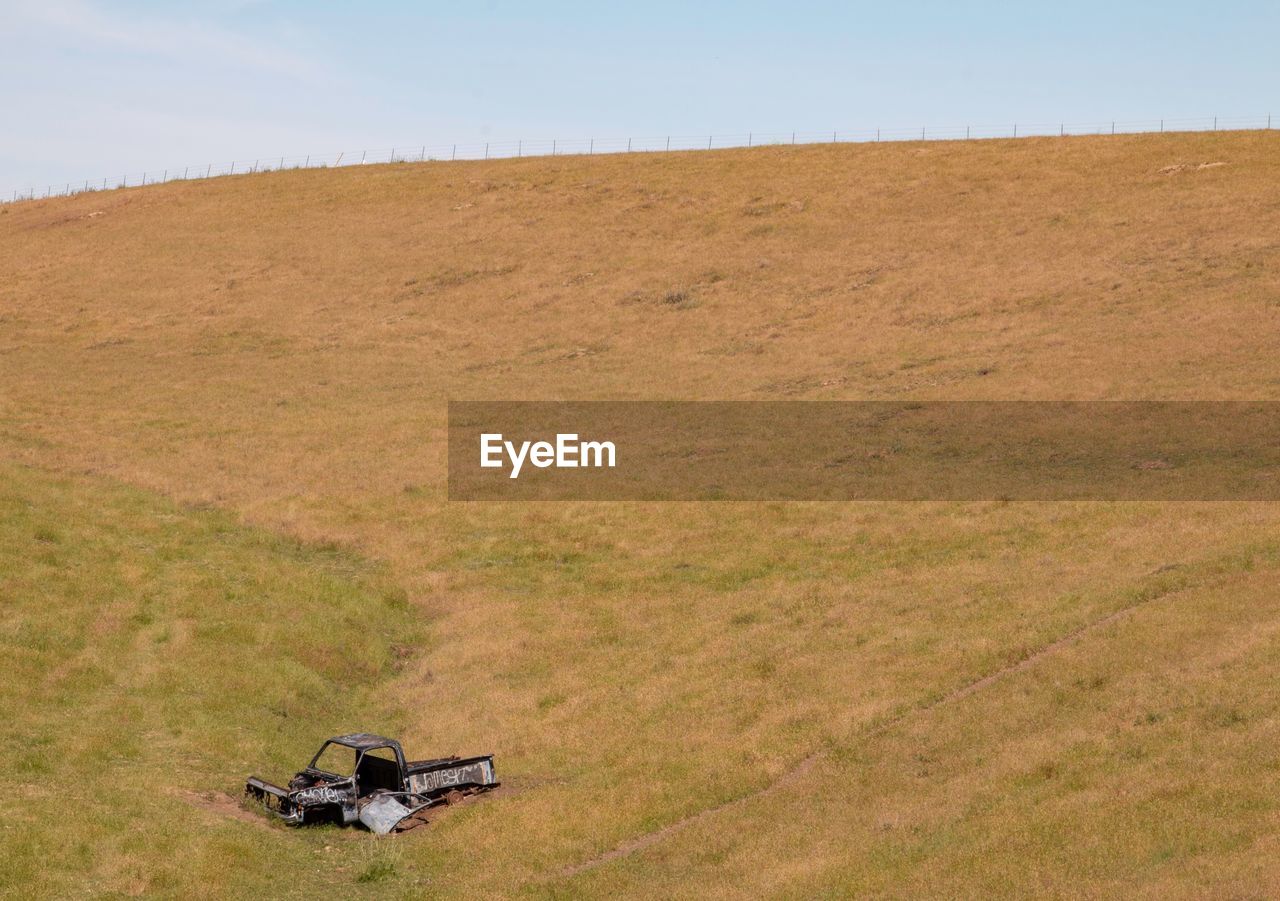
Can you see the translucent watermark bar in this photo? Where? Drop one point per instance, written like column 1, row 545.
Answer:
column 864, row 450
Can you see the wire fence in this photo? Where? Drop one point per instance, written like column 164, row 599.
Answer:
column 665, row 143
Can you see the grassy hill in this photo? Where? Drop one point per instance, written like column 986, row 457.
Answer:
column 222, row 411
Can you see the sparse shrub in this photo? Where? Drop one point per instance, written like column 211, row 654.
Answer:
column 377, row 871
column 679, row 299
column 1046, row 770
column 547, row 702
column 381, row 862
column 1226, row 717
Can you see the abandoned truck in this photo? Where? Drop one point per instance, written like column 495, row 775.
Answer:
column 365, row 778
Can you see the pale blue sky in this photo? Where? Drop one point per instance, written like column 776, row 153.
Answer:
column 94, row 88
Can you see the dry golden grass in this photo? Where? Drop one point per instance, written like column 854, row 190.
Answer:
column 282, row 345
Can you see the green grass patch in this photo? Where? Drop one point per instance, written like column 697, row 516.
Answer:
column 152, row 657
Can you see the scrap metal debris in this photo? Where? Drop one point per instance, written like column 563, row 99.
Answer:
column 364, row 778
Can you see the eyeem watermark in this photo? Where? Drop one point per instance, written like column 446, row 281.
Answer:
column 566, row 452
column 865, row 450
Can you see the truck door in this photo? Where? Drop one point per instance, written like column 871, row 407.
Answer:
column 378, row 769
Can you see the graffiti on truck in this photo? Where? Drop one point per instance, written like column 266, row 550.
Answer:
column 319, row 795
column 448, row 778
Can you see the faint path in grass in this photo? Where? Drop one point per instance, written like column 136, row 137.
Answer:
column 807, row 763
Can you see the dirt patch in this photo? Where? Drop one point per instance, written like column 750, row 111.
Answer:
column 221, row 804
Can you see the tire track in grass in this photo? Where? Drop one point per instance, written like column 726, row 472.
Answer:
column 807, row 763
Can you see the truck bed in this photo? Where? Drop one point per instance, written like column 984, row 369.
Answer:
column 445, row 774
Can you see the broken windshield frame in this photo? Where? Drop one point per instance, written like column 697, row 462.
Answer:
column 333, row 754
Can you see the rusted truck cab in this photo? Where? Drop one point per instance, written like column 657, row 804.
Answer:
column 366, row 778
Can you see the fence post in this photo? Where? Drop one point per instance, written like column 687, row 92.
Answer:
column 486, row 149
column 591, row 148
column 793, row 137
column 281, row 162
column 1062, row 129
column 708, row 141
column 307, row 164
column 553, row 146
column 749, row 136
column 833, row 138
column 184, row 172
column 520, row 148
column 668, row 143
column 922, row 132
column 423, row 155
column 1113, row 126
column 1015, row 129
column 628, row 145
column 1215, row 123
column 1161, row 126
column 877, row 135
column 966, row 132
column 454, row 155
column 363, row 154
